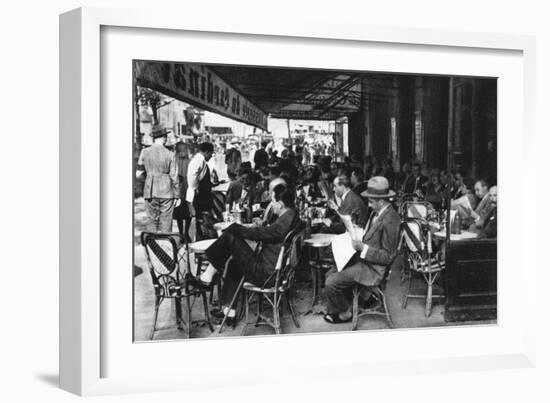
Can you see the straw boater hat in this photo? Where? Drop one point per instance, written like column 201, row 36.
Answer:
column 378, row 188
column 158, row 131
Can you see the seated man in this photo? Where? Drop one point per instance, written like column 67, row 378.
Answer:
column 416, row 183
column 324, row 184
column 255, row 268
column 489, row 229
column 351, row 204
column 269, row 216
column 309, row 188
column 374, row 253
column 262, row 188
column 466, row 203
column 241, row 191
column 483, row 208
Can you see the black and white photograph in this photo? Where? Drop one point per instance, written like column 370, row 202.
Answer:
column 275, row 200
column 252, row 201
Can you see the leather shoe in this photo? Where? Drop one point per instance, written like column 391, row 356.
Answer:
column 335, row 319
column 217, row 313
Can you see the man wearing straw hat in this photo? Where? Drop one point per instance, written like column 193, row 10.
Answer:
column 375, row 252
column 161, row 189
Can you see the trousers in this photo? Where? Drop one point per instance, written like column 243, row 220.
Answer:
column 338, row 289
column 243, row 264
column 159, row 214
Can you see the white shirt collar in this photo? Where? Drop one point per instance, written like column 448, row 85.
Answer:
column 381, row 211
column 345, row 194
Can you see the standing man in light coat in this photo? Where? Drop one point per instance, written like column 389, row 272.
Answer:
column 199, row 186
column 161, row 190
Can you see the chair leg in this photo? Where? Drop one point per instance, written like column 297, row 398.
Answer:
column 260, row 310
column 291, row 309
column 233, row 299
column 199, row 265
column 314, row 278
column 157, row 305
column 276, row 319
column 179, row 319
column 429, row 293
column 242, row 307
column 245, row 294
column 218, row 292
column 206, row 313
column 189, row 319
column 386, row 310
column 355, row 308
column 407, row 292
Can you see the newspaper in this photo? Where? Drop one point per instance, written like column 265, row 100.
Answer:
column 462, row 203
column 342, row 248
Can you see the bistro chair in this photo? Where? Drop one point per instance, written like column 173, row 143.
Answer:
column 170, row 270
column 416, row 209
column 378, row 291
column 416, row 243
column 218, row 200
column 277, row 286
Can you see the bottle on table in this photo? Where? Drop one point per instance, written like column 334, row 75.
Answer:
column 456, row 225
column 307, row 232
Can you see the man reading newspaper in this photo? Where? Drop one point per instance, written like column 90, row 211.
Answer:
column 370, row 255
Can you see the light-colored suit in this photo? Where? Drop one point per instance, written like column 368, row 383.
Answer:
column 161, row 186
column 162, row 173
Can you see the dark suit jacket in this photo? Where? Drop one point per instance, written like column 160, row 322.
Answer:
column 360, row 188
column 260, row 158
column 413, row 184
column 490, row 227
column 352, row 204
column 382, row 237
column 272, row 238
column 234, row 192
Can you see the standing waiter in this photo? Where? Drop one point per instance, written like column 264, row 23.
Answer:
column 199, row 190
column 161, row 190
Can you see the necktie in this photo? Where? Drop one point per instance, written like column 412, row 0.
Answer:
column 372, row 217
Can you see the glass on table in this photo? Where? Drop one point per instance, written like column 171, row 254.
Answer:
column 226, row 216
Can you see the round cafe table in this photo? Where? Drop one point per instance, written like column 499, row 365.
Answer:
column 317, row 242
column 464, row 235
column 320, row 240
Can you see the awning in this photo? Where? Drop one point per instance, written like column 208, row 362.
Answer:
column 200, row 86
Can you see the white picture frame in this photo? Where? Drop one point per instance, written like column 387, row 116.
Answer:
column 84, row 193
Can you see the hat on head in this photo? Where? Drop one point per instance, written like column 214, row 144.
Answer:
column 158, row 131
column 378, row 188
